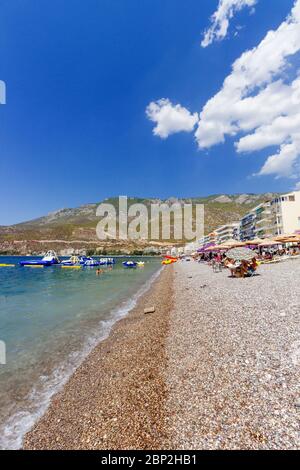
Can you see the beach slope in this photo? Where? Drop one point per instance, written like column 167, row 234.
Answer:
column 216, row 366
column 116, row 398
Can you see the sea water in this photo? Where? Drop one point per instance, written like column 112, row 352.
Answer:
column 50, row 319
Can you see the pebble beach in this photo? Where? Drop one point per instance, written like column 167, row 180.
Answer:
column 215, row 366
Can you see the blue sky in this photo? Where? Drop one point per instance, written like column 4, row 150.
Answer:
column 79, row 76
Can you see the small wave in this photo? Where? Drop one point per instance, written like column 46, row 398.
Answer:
column 38, row 400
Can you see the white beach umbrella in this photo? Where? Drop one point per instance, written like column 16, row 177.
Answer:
column 241, row 254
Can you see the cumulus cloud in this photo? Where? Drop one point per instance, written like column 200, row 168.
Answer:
column 220, row 19
column 170, row 118
column 258, row 100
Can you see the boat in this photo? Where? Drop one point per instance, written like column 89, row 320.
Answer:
column 49, row 259
column 4, row 265
column 72, row 261
column 165, row 262
column 90, row 262
column 129, row 264
column 106, row 261
column 140, row 264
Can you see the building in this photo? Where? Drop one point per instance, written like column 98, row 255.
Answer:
column 285, row 213
column 207, row 239
column 262, row 220
column 227, row 232
column 276, row 217
column 257, row 223
column 247, row 231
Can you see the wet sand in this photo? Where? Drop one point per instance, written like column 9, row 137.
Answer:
column 116, row 398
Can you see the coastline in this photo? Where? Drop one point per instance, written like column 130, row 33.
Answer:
column 214, row 367
column 116, row 398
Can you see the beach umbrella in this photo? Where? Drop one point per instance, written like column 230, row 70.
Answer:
column 286, row 236
column 291, row 240
column 241, row 254
column 256, row 241
column 231, row 243
column 211, row 248
column 223, row 246
column 270, row 243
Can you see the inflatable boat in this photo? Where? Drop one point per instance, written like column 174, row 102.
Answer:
column 129, row 264
column 49, row 259
column 90, row 262
column 106, row 261
column 72, row 261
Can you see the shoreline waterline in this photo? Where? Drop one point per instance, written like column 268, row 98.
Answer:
column 39, row 396
column 120, row 385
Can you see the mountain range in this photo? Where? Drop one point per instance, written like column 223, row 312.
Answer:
column 74, row 228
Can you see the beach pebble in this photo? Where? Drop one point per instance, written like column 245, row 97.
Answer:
column 233, row 376
column 149, row 310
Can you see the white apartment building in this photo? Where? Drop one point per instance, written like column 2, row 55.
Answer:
column 227, row 232
column 276, row 217
column 257, row 223
column 285, row 212
column 262, row 221
column 207, row 239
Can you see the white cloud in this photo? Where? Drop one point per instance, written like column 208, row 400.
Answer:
column 282, row 163
column 170, row 118
column 220, row 19
column 258, row 100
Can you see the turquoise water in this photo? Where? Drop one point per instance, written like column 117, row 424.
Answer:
column 50, row 318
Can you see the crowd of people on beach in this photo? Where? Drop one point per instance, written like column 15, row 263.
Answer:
column 241, row 268
column 267, row 254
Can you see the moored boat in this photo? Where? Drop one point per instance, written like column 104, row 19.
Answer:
column 90, row 262
column 106, row 261
column 49, row 259
column 72, row 261
column 129, row 264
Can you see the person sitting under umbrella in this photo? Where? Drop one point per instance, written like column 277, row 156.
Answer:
column 241, row 262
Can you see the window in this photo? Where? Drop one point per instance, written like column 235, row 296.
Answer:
column 292, row 198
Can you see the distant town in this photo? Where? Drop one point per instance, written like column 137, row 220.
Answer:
column 277, row 216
